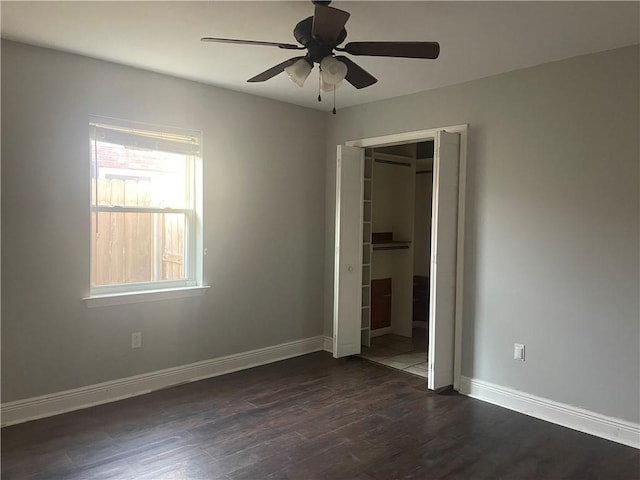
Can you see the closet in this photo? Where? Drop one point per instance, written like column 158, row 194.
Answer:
column 385, row 255
column 396, row 224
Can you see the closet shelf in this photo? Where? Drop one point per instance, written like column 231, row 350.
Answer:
column 393, row 245
column 385, row 241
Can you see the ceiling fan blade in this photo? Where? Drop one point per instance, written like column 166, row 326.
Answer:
column 328, row 23
column 429, row 50
column 356, row 75
column 286, row 46
column 273, row 71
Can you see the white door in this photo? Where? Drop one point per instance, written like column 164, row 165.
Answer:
column 444, row 227
column 347, row 283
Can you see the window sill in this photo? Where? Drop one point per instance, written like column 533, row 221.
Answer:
column 146, row 296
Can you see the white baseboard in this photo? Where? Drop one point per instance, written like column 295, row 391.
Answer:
column 327, row 344
column 610, row 428
column 380, row 331
column 47, row 405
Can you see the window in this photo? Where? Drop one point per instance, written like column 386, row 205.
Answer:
column 146, row 231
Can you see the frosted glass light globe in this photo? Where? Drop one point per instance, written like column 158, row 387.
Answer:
column 298, row 71
column 333, row 70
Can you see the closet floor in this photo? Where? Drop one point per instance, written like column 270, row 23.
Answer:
column 403, row 353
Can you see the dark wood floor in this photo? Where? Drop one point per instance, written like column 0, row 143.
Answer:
column 311, row 417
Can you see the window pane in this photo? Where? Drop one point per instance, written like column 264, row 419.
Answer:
column 172, row 229
column 130, row 247
column 133, row 177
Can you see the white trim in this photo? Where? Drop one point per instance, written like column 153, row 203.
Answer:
column 462, row 188
column 327, row 344
column 47, row 405
column 406, row 137
column 144, row 296
column 610, row 428
column 381, row 331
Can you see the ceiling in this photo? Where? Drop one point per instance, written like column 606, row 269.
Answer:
column 477, row 39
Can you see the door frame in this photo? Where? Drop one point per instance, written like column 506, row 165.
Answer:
column 421, row 136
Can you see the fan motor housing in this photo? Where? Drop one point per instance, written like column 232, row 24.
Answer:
column 316, row 48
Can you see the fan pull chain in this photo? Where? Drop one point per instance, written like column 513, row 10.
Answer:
column 334, row 99
column 319, row 82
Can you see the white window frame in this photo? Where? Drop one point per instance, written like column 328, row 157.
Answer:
column 192, row 284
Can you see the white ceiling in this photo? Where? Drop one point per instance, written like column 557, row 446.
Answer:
column 477, row 39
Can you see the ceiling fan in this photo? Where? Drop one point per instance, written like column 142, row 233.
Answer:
column 320, row 35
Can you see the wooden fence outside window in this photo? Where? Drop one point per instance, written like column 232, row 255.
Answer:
column 132, row 247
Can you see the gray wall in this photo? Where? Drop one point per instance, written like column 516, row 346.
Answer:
column 264, row 224
column 552, row 225
column 422, row 224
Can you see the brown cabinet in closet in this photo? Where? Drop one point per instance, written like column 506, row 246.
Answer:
column 380, row 303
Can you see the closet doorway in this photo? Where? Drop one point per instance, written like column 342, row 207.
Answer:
column 398, row 260
column 398, row 184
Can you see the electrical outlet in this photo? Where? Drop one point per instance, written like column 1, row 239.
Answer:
column 136, row 339
column 518, row 351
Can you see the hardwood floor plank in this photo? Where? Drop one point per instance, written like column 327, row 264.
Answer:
column 246, row 458
column 19, row 466
column 115, row 470
column 195, row 467
column 263, row 469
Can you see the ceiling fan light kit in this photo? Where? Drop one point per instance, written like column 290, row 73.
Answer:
column 320, row 35
column 328, row 87
column 299, row 71
column 333, row 70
